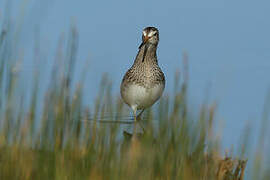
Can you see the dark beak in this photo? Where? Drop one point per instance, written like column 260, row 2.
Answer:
column 145, row 39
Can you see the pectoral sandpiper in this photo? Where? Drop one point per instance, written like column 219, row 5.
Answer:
column 144, row 82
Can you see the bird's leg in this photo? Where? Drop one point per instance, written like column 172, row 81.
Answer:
column 135, row 119
column 134, row 110
column 139, row 115
column 139, row 119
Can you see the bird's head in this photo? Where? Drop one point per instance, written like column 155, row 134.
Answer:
column 150, row 36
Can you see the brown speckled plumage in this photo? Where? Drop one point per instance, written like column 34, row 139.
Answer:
column 146, row 73
column 144, row 82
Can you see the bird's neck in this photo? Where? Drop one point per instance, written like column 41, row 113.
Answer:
column 150, row 54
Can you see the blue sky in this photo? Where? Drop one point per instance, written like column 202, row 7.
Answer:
column 228, row 44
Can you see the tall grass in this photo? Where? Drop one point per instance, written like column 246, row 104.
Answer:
column 51, row 134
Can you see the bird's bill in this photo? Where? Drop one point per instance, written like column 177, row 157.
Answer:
column 145, row 39
column 144, row 52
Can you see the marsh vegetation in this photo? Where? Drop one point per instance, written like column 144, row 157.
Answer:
column 47, row 131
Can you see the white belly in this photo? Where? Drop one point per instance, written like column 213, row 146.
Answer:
column 140, row 97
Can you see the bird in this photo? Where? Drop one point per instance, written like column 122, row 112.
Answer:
column 144, row 82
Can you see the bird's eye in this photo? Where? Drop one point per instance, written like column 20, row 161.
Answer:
column 152, row 33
